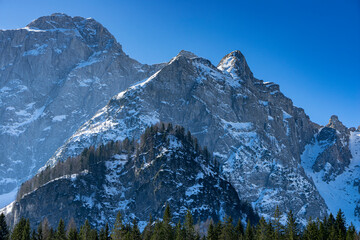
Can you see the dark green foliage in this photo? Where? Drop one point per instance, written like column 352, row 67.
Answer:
column 4, row 231
column 328, row 228
column 60, row 233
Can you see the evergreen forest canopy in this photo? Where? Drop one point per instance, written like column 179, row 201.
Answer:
column 164, row 229
column 94, row 158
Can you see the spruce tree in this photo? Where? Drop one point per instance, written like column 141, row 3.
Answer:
column 249, row 235
column 166, row 228
column 85, row 231
column 261, row 229
column 351, row 232
column 228, row 231
column 179, row 231
column 148, row 231
column 277, row 224
column 239, row 229
column 291, row 230
column 119, row 229
column 340, row 225
column 135, row 233
column 4, row 230
column 212, row 234
column 60, row 231
column 189, row 226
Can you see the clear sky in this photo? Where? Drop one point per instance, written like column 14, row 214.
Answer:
column 310, row 48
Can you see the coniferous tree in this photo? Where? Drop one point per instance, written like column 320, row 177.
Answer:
column 18, row 231
column 291, row 230
column 189, row 226
column 4, row 231
column 311, row 231
column 277, row 224
column 85, row 231
column 340, row 225
column 34, row 235
column 135, row 233
column 212, row 234
column 60, row 231
column 179, row 231
column 71, row 230
column 228, row 230
column 351, row 232
column 249, row 235
column 148, row 231
column 239, row 229
column 119, row 229
column 261, row 229
column 104, row 233
column 166, row 228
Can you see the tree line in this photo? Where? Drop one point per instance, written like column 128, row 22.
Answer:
column 164, row 229
column 93, row 157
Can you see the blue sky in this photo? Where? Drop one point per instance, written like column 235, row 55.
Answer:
column 310, row 48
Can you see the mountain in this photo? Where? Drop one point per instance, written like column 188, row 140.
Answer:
column 167, row 166
column 268, row 149
column 249, row 125
column 54, row 74
column 332, row 160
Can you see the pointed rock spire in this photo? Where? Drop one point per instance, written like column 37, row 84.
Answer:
column 235, row 64
column 336, row 124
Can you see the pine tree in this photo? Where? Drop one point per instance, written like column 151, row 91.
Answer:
column 4, row 231
column 189, row 226
column 46, row 230
column 351, row 232
column 71, row 230
column 148, row 231
column 85, row 231
column 261, row 229
column 18, row 230
column 249, row 235
column 239, row 229
column 277, row 224
column 166, row 228
column 291, row 230
column 119, row 229
column 135, row 233
column 60, row 231
column 228, row 231
column 212, row 234
column 179, row 231
column 104, row 233
column 340, row 225
column 311, row 231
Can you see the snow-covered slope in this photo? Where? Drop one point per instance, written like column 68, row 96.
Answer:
column 54, row 74
column 343, row 190
column 250, row 126
column 167, row 167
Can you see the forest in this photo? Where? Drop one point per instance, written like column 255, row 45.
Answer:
column 334, row 228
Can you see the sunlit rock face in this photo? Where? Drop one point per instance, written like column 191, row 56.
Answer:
column 54, row 74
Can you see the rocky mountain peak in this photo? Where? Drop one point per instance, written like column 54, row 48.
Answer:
column 235, row 64
column 336, row 124
column 94, row 33
column 187, row 54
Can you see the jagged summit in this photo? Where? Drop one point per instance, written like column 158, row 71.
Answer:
column 58, row 20
column 335, row 123
column 235, row 64
column 187, row 54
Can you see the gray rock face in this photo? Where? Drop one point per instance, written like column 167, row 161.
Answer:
column 166, row 168
column 250, row 126
column 332, row 160
column 54, row 74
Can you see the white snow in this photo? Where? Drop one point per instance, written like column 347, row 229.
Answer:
column 59, row 118
column 7, row 198
column 39, row 49
column 341, row 192
column 194, row 190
